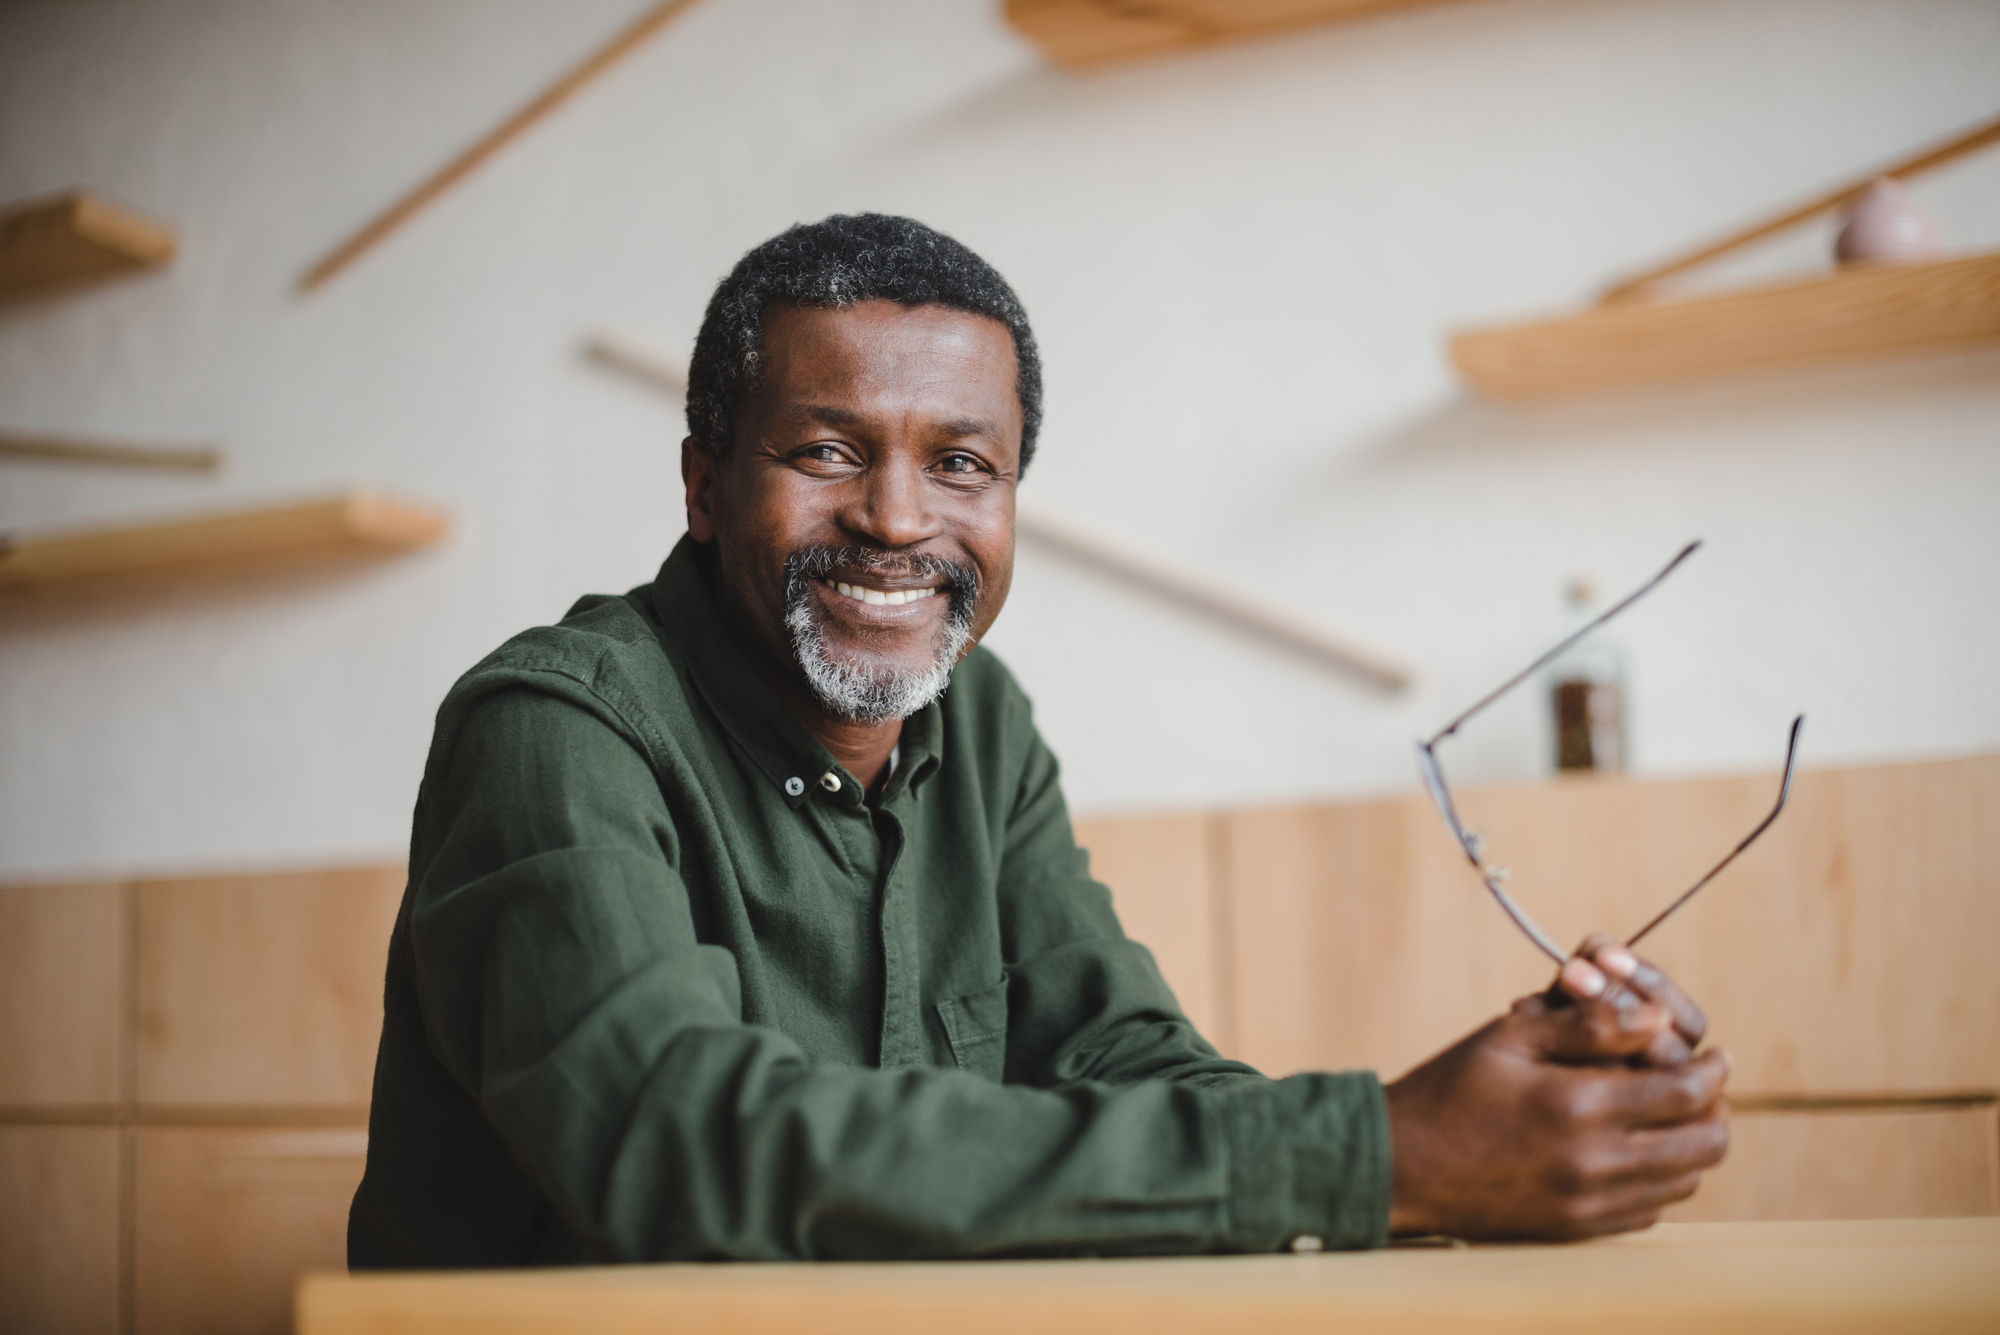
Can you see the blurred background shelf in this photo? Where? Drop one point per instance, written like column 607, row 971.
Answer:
column 1892, row 296
column 350, row 527
column 1883, row 310
column 1089, row 32
column 58, row 241
column 52, row 447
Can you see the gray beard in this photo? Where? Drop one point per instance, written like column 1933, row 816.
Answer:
column 858, row 689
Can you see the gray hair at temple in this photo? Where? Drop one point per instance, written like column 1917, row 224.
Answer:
column 839, row 261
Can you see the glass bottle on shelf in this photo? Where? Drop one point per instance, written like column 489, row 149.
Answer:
column 1586, row 688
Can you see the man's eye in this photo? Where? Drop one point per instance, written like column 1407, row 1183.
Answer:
column 958, row 463
column 826, row 454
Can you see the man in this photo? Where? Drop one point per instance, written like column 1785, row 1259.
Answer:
column 745, row 919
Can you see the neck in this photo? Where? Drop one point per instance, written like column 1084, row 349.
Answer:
column 861, row 748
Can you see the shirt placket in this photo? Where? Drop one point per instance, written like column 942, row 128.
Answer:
column 902, row 953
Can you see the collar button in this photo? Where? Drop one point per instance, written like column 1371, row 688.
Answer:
column 794, row 786
column 830, row 781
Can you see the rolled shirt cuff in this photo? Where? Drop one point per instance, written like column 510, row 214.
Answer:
column 1309, row 1163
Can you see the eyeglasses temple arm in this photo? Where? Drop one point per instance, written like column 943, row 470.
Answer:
column 1433, row 776
column 1784, row 791
column 1523, row 921
column 1551, row 655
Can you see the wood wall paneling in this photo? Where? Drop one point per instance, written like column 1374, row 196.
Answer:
column 227, row 1219
column 1845, row 953
column 1165, row 874
column 1842, row 954
column 262, row 989
column 59, row 1229
column 62, row 995
column 1878, row 1164
column 1359, row 939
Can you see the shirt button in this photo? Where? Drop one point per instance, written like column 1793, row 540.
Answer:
column 1307, row 1243
column 830, row 781
column 794, row 786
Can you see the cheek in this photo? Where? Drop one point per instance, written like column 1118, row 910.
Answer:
column 995, row 551
column 752, row 547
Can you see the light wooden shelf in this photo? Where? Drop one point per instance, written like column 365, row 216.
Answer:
column 1090, row 32
column 61, row 240
column 1857, row 312
column 347, row 528
column 45, row 446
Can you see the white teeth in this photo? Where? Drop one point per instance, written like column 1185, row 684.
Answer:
column 877, row 597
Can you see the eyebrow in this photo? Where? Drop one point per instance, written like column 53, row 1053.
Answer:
column 956, row 427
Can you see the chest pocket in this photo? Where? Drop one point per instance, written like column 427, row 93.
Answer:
column 977, row 1027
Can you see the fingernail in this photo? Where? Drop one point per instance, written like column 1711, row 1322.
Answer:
column 1618, row 960
column 1581, row 977
column 1637, row 1019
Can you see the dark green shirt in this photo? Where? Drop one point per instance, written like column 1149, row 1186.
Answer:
column 666, row 984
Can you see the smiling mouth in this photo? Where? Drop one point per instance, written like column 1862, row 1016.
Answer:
column 860, row 593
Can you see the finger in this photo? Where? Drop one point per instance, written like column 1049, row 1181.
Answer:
column 1665, row 1097
column 1620, row 965
column 1659, row 1153
column 1668, row 1048
column 1616, row 1224
column 1632, row 1159
column 1602, row 1030
column 1627, row 1206
column 1582, row 979
column 1639, row 1198
column 1535, row 1003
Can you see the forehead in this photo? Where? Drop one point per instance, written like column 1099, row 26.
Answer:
column 882, row 359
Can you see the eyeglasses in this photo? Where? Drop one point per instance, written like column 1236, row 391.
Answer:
column 1427, row 765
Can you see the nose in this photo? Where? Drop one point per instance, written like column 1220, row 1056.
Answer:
column 892, row 508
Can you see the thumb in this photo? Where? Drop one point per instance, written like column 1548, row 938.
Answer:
column 1614, row 1027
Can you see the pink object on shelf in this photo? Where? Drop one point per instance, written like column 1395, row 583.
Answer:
column 1884, row 227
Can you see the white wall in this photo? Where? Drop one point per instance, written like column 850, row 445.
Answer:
column 1240, row 262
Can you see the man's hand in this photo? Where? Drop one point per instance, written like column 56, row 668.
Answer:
column 1605, row 972
column 1581, row 1112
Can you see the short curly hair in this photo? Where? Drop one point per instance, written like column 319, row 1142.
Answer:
column 835, row 262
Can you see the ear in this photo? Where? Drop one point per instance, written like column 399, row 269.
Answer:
column 701, row 475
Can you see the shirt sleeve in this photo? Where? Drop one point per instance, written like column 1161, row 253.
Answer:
column 563, row 986
column 1086, row 1004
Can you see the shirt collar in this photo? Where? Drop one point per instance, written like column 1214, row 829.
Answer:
column 791, row 759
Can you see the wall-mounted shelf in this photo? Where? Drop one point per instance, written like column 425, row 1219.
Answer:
column 1855, row 312
column 61, row 240
column 1090, row 32
column 351, row 527
column 50, row 447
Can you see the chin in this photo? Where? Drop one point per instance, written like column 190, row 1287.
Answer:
column 872, row 687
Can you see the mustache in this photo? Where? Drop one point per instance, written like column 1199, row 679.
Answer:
column 806, row 565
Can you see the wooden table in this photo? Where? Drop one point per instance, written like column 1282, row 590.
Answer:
column 1903, row 1275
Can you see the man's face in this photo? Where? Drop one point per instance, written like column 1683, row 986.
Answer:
column 880, row 452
